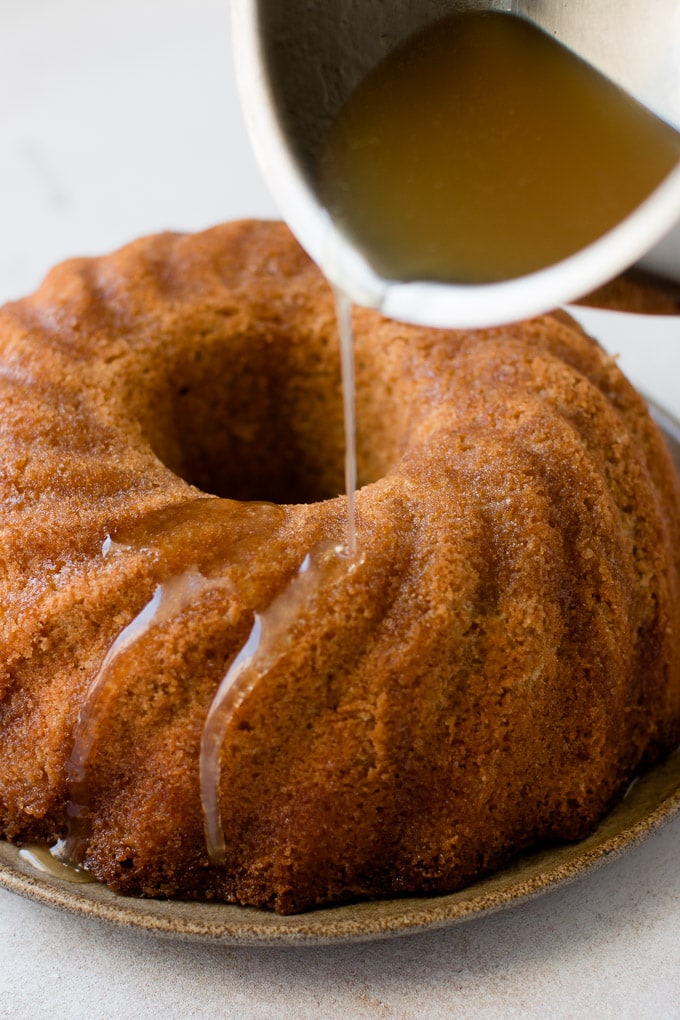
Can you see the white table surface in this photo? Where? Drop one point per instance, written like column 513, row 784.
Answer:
column 119, row 119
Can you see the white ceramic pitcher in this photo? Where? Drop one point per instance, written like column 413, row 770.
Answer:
column 297, row 62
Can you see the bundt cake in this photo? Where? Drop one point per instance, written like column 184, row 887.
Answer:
column 486, row 674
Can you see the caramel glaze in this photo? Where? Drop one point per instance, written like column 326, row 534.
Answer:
column 271, row 645
column 41, row 858
column 481, row 149
column 238, row 529
column 496, row 677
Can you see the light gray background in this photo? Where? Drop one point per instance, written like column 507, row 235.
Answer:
column 121, row 118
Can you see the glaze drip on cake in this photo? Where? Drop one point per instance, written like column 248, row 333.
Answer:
column 271, row 643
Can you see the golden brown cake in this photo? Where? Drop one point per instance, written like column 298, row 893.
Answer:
column 490, row 673
column 637, row 292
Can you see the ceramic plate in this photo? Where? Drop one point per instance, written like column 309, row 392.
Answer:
column 651, row 801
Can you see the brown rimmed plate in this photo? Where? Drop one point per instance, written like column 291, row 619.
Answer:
column 652, row 800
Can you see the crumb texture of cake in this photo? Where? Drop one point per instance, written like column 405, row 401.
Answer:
column 502, row 661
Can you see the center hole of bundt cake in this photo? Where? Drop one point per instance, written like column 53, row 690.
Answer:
column 260, row 418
